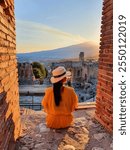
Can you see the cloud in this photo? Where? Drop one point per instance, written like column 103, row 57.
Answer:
column 33, row 36
column 41, row 27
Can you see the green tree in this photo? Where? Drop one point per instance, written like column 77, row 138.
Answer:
column 39, row 70
column 37, row 73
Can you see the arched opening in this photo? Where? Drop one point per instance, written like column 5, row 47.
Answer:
column 77, row 42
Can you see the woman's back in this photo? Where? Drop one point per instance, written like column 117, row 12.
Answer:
column 67, row 104
column 59, row 100
column 60, row 116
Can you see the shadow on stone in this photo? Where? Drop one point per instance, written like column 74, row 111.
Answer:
column 7, row 125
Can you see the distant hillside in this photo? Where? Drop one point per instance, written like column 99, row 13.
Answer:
column 70, row 52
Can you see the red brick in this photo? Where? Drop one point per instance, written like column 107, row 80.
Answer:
column 104, row 97
column 1, row 9
column 3, row 64
column 9, row 106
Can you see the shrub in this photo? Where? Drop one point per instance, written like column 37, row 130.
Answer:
column 39, row 70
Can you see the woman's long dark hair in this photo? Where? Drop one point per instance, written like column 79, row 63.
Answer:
column 57, row 92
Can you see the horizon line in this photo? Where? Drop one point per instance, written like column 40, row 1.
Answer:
column 94, row 42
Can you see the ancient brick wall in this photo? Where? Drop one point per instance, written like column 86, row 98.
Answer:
column 104, row 98
column 9, row 97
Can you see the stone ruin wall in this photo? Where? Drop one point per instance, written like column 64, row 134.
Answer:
column 25, row 74
column 91, row 70
column 9, row 97
column 104, row 98
column 81, row 71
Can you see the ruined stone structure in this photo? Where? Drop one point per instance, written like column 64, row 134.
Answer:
column 104, row 99
column 81, row 56
column 9, row 97
column 25, row 73
column 82, row 71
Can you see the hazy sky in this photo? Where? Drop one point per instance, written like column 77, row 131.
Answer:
column 50, row 24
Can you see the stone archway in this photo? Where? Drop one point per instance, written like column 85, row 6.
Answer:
column 9, row 97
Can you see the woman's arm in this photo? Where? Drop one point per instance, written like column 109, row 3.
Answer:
column 75, row 100
column 44, row 102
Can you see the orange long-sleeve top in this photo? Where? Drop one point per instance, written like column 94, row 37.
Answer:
column 60, row 116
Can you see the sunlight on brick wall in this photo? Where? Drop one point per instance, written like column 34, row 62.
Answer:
column 9, row 97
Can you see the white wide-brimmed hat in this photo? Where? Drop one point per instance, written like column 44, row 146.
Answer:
column 58, row 74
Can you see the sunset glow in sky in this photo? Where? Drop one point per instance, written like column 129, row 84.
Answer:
column 50, row 24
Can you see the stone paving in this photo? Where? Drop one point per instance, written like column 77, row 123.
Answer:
column 84, row 134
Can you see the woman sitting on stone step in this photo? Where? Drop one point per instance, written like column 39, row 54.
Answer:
column 59, row 101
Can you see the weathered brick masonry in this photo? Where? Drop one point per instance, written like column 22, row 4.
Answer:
column 104, row 98
column 9, row 97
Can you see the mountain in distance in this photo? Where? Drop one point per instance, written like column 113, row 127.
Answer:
column 90, row 50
